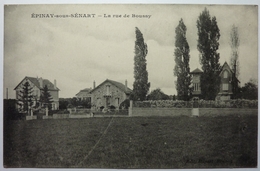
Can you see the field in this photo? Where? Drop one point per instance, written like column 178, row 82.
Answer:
column 133, row 142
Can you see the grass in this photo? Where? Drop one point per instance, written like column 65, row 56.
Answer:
column 152, row 142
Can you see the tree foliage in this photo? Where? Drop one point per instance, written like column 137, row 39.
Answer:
column 25, row 98
column 65, row 103
column 45, row 98
column 141, row 85
column 208, row 37
column 234, row 62
column 157, row 94
column 182, row 58
column 250, row 90
column 234, row 44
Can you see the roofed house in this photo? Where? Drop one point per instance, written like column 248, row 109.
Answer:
column 227, row 79
column 84, row 94
column 109, row 93
column 37, row 85
column 196, row 83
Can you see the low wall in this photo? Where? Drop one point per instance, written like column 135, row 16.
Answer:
column 188, row 111
column 227, row 111
column 31, row 117
column 79, row 116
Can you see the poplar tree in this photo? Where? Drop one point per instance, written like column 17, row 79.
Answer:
column 140, row 85
column 25, row 97
column 182, row 58
column 208, row 37
column 234, row 62
column 46, row 98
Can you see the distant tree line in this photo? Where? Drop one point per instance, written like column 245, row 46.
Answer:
column 65, row 103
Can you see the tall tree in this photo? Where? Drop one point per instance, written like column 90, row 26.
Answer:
column 141, row 85
column 234, row 62
column 208, row 37
column 46, row 98
column 25, row 97
column 182, row 67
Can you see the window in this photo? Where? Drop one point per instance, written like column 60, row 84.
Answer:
column 108, row 89
column 225, row 74
column 225, row 86
column 117, row 102
column 196, row 87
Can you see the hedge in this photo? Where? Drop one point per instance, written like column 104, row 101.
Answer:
column 237, row 103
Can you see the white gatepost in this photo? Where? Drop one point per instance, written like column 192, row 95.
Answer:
column 195, row 107
column 47, row 110
column 130, row 109
column 31, row 112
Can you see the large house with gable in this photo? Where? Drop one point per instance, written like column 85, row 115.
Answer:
column 37, row 85
column 226, row 75
column 109, row 93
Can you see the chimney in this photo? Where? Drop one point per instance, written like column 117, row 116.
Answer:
column 94, row 84
column 55, row 85
column 126, row 85
column 41, row 82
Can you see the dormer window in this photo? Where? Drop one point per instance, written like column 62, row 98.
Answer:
column 225, row 74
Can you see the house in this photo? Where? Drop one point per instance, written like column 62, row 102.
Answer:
column 227, row 77
column 109, row 93
column 196, row 83
column 38, row 84
column 84, row 94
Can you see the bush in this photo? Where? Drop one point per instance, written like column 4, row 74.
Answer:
column 125, row 104
column 237, row 103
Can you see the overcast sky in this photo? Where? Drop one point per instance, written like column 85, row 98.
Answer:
column 77, row 51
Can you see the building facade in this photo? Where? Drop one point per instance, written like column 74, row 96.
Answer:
column 227, row 76
column 196, row 74
column 37, row 85
column 109, row 93
column 225, row 89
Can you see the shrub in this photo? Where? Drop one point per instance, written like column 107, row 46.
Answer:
column 125, row 104
column 236, row 103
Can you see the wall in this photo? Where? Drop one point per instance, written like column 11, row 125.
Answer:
column 187, row 111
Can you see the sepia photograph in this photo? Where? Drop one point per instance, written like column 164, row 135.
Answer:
column 130, row 86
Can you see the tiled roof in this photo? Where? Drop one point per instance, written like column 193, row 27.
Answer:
column 87, row 90
column 197, row 70
column 117, row 84
column 36, row 82
column 226, row 64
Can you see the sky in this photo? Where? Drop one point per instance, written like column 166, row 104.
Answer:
column 78, row 51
